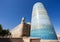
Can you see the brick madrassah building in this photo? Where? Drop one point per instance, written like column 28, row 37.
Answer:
column 39, row 30
column 21, row 30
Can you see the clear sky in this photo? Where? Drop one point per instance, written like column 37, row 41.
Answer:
column 11, row 12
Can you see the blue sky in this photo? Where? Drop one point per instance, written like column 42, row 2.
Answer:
column 11, row 12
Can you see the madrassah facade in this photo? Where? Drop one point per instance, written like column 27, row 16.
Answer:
column 39, row 30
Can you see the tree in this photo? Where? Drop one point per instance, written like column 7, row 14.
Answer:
column 4, row 32
column 0, row 28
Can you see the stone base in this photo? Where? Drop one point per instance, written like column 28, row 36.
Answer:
column 38, row 40
column 25, row 39
column 49, row 41
column 34, row 40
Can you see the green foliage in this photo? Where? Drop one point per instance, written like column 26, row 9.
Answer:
column 4, row 32
column 0, row 28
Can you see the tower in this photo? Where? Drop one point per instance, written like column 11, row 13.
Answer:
column 21, row 30
column 41, row 26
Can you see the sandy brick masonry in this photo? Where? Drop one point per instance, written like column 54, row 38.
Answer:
column 26, row 39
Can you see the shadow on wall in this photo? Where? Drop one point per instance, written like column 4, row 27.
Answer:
column 11, row 40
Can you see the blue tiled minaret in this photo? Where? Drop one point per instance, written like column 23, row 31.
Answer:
column 41, row 26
